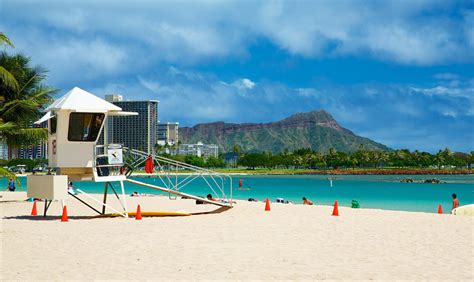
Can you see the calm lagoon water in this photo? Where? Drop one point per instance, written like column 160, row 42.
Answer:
column 372, row 191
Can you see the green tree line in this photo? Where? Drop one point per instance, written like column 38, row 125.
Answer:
column 309, row 159
column 210, row 162
column 29, row 163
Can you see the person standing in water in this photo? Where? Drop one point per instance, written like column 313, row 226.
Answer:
column 241, row 185
column 11, row 185
column 455, row 201
column 70, row 188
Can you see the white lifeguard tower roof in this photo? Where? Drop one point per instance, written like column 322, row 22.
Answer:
column 79, row 100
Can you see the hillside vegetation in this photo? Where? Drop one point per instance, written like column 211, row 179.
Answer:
column 316, row 130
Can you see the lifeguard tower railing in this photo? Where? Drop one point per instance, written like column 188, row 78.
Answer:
column 103, row 166
column 172, row 175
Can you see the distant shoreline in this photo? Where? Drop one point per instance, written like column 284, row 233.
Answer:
column 319, row 172
column 396, row 172
column 333, row 172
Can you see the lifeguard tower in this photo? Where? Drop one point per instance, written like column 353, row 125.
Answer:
column 75, row 122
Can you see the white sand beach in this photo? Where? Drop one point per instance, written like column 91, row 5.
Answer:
column 289, row 242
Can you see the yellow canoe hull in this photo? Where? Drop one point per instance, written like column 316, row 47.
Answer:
column 148, row 214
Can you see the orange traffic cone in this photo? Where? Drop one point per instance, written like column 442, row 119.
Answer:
column 335, row 211
column 64, row 216
column 267, row 205
column 138, row 216
column 33, row 210
column 440, row 209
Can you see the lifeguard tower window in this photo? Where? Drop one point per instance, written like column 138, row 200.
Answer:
column 53, row 124
column 84, row 126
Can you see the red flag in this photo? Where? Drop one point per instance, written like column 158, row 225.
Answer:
column 149, row 165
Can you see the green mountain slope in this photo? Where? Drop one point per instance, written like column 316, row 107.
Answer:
column 316, row 130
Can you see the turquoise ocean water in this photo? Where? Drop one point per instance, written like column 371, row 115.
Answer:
column 372, row 191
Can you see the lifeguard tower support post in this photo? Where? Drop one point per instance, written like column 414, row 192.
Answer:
column 75, row 122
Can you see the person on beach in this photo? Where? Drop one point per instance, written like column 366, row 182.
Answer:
column 307, row 202
column 210, row 198
column 11, row 185
column 455, row 201
column 70, row 188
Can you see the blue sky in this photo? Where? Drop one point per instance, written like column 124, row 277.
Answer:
column 399, row 72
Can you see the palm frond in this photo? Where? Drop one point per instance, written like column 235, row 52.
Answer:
column 6, row 126
column 5, row 40
column 17, row 104
column 8, row 79
column 25, row 136
column 35, row 77
column 29, row 105
column 6, row 173
column 42, row 94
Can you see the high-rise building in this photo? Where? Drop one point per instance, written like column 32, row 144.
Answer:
column 168, row 133
column 3, row 150
column 113, row 98
column 199, row 150
column 33, row 152
column 136, row 132
column 39, row 151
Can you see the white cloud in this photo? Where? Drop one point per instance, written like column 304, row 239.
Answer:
column 150, row 85
column 248, row 83
column 449, row 113
column 441, row 90
column 307, row 92
column 244, row 84
column 186, row 33
column 70, row 59
column 401, row 44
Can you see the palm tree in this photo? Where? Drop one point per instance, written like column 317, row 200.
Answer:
column 298, row 161
column 22, row 97
column 375, row 158
column 20, row 108
column 439, row 158
column 236, row 149
column 384, row 158
column 448, row 156
column 315, row 159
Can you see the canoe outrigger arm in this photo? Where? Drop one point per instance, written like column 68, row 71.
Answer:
column 174, row 192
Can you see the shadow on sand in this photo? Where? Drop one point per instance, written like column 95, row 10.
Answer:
column 57, row 217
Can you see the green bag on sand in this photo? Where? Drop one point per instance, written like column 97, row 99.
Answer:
column 355, row 204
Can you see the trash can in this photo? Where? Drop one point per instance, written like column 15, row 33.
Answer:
column 355, row 204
